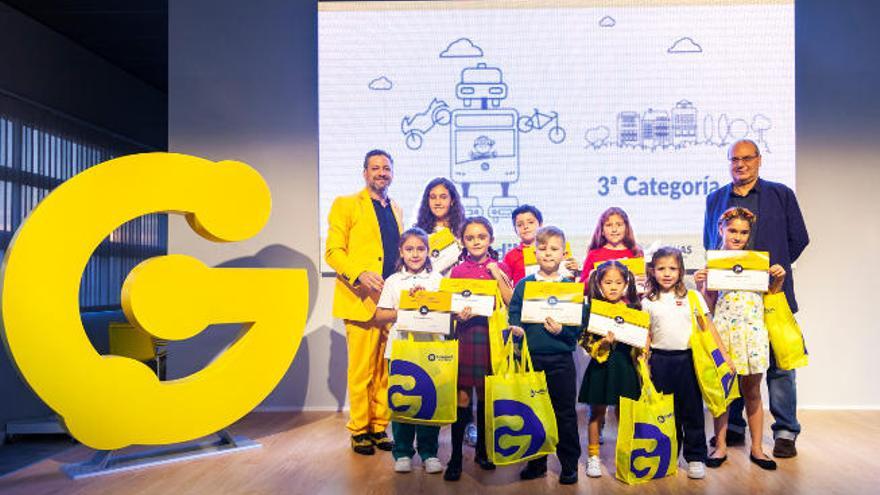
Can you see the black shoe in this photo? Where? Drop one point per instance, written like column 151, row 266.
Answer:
column 784, row 448
column 768, row 464
column 453, row 471
column 362, row 444
column 568, row 478
column 381, row 441
column 714, row 462
column 485, row 464
column 734, row 439
column 531, row 472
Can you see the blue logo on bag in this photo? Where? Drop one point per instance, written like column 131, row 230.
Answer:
column 552, row 300
column 727, row 379
column 662, row 451
column 423, row 389
column 532, row 427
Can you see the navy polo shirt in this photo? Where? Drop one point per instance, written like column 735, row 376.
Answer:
column 390, row 236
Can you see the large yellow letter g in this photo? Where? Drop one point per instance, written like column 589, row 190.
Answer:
column 109, row 402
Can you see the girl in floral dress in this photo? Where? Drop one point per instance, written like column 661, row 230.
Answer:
column 739, row 318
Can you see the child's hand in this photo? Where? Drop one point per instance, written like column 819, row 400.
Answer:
column 608, row 338
column 498, row 273
column 516, row 331
column 700, row 277
column 415, row 289
column 552, row 326
column 572, row 265
column 778, row 274
column 465, row 314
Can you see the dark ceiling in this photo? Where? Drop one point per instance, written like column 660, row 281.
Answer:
column 130, row 34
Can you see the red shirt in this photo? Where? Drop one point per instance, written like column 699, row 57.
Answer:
column 602, row 254
column 514, row 261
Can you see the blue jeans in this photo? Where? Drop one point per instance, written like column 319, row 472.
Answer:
column 782, row 389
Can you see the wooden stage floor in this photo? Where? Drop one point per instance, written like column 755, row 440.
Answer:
column 308, row 453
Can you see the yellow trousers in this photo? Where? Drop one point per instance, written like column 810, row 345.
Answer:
column 367, row 377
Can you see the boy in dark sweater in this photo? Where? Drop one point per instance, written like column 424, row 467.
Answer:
column 551, row 345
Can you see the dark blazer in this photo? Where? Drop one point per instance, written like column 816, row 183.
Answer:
column 781, row 229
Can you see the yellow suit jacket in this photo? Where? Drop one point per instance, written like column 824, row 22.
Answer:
column 354, row 245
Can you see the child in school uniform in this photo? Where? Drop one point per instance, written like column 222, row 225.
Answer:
column 527, row 219
column 672, row 363
column 414, row 274
column 551, row 345
column 478, row 261
column 613, row 239
column 611, row 373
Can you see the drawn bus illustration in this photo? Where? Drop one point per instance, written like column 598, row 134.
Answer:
column 484, row 138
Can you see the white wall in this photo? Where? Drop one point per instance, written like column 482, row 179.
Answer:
column 243, row 86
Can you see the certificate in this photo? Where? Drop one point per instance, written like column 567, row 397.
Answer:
column 444, row 250
column 478, row 294
column 738, row 270
column 629, row 325
column 562, row 301
column 634, row 265
column 425, row 311
column 530, row 261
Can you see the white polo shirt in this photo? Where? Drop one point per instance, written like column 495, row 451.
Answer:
column 671, row 322
column 390, row 298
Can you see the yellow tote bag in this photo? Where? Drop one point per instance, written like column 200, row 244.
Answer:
column 646, row 445
column 717, row 381
column 786, row 338
column 423, row 381
column 498, row 324
column 520, row 422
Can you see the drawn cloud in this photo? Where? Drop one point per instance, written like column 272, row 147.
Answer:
column 685, row 45
column 462, row 48
column 381, row 83
column 607, row 22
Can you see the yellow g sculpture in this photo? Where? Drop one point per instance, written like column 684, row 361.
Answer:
column 109, row 402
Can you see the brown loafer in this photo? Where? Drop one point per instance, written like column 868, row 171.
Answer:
column 784, row 448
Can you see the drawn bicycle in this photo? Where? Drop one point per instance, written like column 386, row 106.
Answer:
column 538, row 120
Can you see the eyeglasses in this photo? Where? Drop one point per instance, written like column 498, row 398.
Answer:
column 744, row 159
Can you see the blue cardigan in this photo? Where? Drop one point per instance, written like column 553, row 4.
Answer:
column 781, row 229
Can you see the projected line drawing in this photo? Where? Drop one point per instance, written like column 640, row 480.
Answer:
column 415, row 127
column 607, row 22
column 484, row 138
column 677, row 128
column 538, row 120
column 597, row 136
column 462, row 48
column 685, row 45
column 381, row 83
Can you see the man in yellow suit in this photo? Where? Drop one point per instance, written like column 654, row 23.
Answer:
column 362, row 247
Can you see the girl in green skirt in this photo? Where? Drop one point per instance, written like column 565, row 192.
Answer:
column 611, row 373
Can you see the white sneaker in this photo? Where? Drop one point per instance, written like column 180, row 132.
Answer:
column 696, row 470
column 594, row 467
column 433, row 465
column 403, row 465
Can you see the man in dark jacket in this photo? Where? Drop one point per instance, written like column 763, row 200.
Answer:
column 779, row 229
